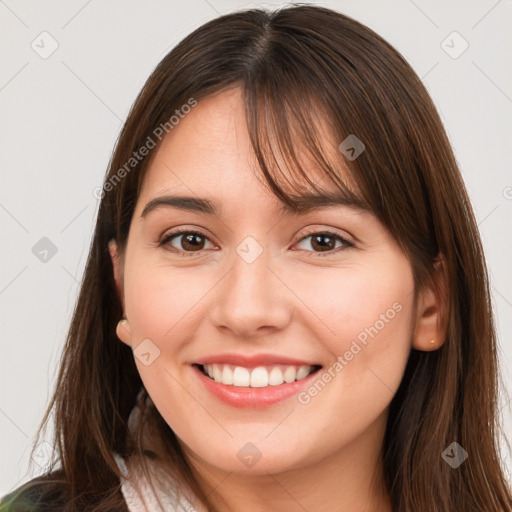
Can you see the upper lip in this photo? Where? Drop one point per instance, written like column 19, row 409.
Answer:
column 254, row 360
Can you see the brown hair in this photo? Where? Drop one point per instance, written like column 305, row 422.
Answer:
column 296, row 65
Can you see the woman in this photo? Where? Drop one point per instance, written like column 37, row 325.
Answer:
column 286, row 304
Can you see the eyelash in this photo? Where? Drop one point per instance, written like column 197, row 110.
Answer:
column 173, row 234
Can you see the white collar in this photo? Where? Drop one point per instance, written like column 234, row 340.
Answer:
column 136, row 489
column 139, row 495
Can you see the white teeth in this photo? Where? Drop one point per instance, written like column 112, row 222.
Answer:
column 289, row 374
column 217, row 373
column 259, row 377
column 241, row 377
column 227, row 375
column 275, row 377
column 302, row 372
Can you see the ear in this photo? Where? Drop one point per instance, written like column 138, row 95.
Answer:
column 118, row 275
column 432, row 310
column 123, row 330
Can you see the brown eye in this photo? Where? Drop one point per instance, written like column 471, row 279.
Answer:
column 324, row 242
column 185, row 241
column 191, row 242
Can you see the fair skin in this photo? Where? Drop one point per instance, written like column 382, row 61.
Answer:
column 323, row 455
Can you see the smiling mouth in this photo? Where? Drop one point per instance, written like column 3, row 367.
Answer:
column 257, row 377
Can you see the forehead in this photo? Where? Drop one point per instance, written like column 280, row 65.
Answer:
column 208, row 157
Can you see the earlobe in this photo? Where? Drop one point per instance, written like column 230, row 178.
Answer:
column 124, row 332
column 432, row 311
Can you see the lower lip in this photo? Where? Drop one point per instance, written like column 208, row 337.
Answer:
column 248, row 397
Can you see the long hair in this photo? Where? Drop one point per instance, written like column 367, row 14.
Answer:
column 298, row 65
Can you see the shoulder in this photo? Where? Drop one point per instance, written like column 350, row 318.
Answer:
column 45, row 494
column 48, row 493
column 27, row 497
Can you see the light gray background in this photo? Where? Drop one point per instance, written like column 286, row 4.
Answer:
column 60, row 117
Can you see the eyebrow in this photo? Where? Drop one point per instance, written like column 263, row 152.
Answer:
column 304, row 204
column 193, row 204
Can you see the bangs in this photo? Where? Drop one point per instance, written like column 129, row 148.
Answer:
column 296, row 146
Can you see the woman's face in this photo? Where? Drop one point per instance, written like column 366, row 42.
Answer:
column 259, row 282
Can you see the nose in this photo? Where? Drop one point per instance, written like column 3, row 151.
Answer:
column 251, row 301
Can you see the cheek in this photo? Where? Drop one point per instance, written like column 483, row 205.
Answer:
column 161, row 301
column 163, row 305
column 365, row 320
column 370, row 314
